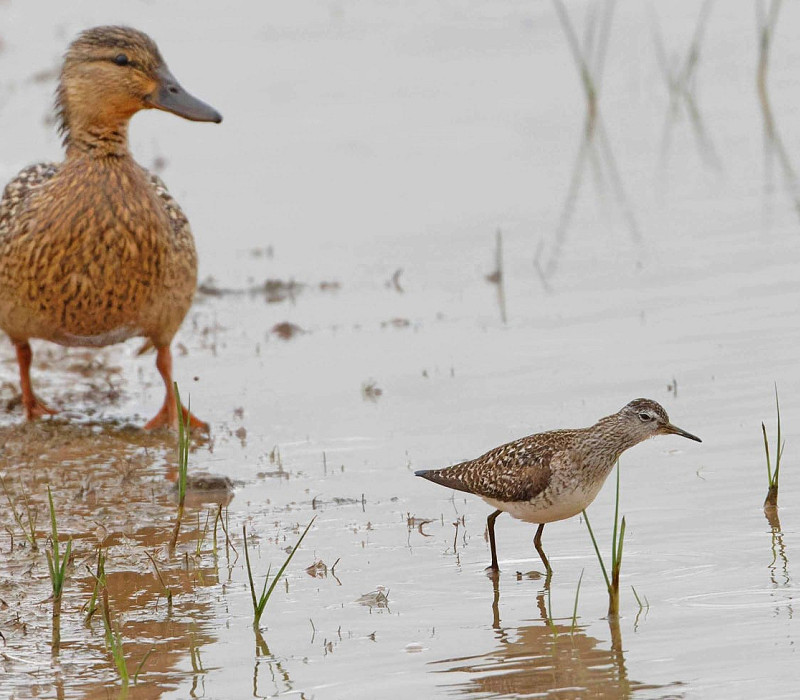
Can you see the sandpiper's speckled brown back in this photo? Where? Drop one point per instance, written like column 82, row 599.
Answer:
column 516, row 471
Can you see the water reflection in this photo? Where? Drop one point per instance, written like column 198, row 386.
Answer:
column 779, row 566
column 680, row 79
column 774, row 149
column 266, row 663
column 595, row 147
column 548, row 658
column 497, row 277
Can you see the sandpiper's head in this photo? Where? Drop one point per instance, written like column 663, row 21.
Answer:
column 646, row 418
column 110, row 73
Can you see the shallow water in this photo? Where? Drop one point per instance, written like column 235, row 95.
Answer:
column 368, row 138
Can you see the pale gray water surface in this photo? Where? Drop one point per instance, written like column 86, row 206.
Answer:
column 365, row 138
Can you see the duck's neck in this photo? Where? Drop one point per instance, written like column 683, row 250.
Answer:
column 96, row 140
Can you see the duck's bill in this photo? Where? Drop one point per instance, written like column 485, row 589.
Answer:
column 675, row 430
column 171, row 97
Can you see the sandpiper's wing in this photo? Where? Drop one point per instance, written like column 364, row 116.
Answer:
column 516, row 471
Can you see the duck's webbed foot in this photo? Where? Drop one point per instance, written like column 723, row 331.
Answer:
column 168, row 414
column 34, row 408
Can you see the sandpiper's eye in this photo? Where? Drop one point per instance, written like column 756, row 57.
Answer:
column 121, row 59
column 645, row 417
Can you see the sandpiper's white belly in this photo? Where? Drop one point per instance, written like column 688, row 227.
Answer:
column 548, row 507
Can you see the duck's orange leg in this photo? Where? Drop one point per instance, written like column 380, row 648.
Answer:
column 168, row 415
column 33, row 407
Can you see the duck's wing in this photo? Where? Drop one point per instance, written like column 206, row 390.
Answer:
column 178, row 220
column 18, row 191
column 516, row 471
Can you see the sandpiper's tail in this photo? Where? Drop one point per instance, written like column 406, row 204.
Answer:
column 449, row 477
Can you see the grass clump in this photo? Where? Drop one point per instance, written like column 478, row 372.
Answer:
column 260, row 601
column 617, row 539
column 55, row 562
column 771, row 500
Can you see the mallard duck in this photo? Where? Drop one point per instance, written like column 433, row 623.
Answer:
column 94, row 250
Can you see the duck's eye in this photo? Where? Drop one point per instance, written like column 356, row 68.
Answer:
column 645, row 417
column 121, row 59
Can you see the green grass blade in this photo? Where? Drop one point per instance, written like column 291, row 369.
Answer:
column 53, row 526
column 596, row 549
column 289, row 558
column 249, row 570
column 575, row 605
column 141, row 663
column 618, row 560
column 779, row 448
column 766, row 450
column 616, row 520
column 183, row 446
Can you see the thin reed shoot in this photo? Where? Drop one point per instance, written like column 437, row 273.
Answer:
column 260, row 601
column 575, row 606
column 99, row 581
column 167, row 590
column 617, row 539
column 28, row 526
column 114, row 641
column 57, row 565
column 771, row 500
column 184, row 440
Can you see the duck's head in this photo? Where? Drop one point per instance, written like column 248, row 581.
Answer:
column 645, row 418
column 110, row 73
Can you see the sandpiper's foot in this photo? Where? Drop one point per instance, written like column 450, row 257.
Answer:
column 168, row 417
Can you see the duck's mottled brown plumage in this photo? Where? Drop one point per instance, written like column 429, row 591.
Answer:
column 556, row 474
column 94, row 250
column 81, row 267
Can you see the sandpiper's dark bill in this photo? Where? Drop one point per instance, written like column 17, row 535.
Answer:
column 675, row 430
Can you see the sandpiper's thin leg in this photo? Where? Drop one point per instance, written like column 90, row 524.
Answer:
column 168, row 415
column 537, row 542
column 34, row 408
column 490, row 523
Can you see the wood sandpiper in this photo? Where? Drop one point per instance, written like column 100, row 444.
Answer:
column 554, row 475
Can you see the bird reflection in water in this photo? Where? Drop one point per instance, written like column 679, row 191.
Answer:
column 546, row 657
